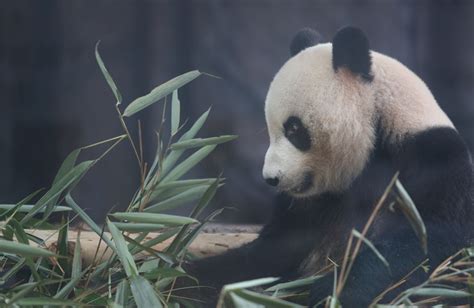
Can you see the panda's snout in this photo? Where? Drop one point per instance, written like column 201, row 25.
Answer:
column 272, row 181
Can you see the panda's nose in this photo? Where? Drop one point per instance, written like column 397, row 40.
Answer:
column 272, row 181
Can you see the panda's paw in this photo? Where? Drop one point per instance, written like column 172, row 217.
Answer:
column 321, row 290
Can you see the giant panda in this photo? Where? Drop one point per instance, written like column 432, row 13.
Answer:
column 342, row 120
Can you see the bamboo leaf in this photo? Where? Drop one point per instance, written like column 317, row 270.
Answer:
column 372, row 247
column 200, row 142
column 46, row 301
column 184, row 184
column 173, row 157
column 185, row 197
column 304, row 282
column 88, row 220
column 411, row 213
column 23, row 249
column 166, row 272
column 67, row 165
column 154, row 167
column 138, row 227
column 63, row 246
column 107, row 75
column 22, row 238
column 265, row 300
column 122, row 251
column 122, row 294
column 160, row 238
column 183, row 245
column 160, row 92
column 189, row 163
column 143, row 293
column 249, row 283
column 175, row 112
column 28, row 207
column 59, row 187
column 446, row 293
column 13, row 208
column 205, row 199
column 77, row 259
column 163, row 219
column 66, row 290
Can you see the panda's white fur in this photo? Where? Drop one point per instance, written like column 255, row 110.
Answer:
column 341, row 111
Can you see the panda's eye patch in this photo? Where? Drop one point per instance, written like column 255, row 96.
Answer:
column 297, row 134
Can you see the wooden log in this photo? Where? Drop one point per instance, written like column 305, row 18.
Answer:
column 205, row 244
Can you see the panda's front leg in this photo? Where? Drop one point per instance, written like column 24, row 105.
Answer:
column 277, row 252
column 369, row 277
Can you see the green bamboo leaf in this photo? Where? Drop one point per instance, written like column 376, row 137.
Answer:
column 166, row 272
column 12, row 271
column 188, row 163
column 22, row 238
column 160, row 92
column 46, row 301
column 63, row 246
column 249, row 283
column 411, row 213
column 23, row 249
column 175, row 112
column 122, row 294
column 163, row 219
column 143, row 293
column 67, row 289
column 24, row 290
column 154, row 241
column 372, row 247
column 200, row 142
column 446, row 293
column 160, row 195
column 154, row 167
column 88, row 220
column 185, row 197
column 185, row 183
column 59, row 187
column 122, row 251
column 173, row 157
column 77, row 259
column 205, row 199
column 138, row 227
column 67, row 165
column 183, row 245
column 13, row 208
column 242, row 302
column 107, row 75
column 264, row 300
column 295, row 284
column 28, row 207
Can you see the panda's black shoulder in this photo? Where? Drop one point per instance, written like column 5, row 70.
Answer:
column 437, row 145
column 436, row 168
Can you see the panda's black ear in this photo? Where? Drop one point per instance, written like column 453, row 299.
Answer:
column 350, row 49
column 305, row 38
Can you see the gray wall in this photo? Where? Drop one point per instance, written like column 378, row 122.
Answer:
column 54, row 99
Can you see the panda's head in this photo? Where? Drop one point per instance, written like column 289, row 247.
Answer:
column 324, row 104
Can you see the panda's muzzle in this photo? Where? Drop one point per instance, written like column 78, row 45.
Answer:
column 305, row 185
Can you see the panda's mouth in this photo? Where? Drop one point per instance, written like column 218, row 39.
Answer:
column 305, row 185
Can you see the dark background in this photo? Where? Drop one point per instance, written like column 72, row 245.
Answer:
column 53, row 97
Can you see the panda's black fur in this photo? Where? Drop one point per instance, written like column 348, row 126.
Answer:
column 435, row 168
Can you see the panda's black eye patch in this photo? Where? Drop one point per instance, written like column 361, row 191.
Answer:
column 297, row 133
